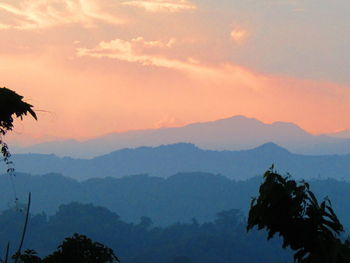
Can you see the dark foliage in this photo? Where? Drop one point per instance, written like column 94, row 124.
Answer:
column 75, row 249
column 11, row 104
column 81, row 249
column 28, row 256
column 308, row 227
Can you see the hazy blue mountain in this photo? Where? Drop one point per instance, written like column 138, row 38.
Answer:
column 177, row 198
column 344, row 134
column 233, row 133
column 180, row 197
column 167, row 160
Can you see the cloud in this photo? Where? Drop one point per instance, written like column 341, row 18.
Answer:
column 158, row 44
column 38, row 14
column 162, row 5
column 137, row 50
column 239, row 35
column 167, row 121
column 143, row 52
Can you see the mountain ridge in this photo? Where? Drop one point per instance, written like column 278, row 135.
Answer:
column 234, row 133
column 166, row 160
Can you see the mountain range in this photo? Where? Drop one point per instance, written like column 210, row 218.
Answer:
column 233, row 133
column 166, row 160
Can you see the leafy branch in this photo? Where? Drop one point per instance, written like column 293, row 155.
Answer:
column 290, row 209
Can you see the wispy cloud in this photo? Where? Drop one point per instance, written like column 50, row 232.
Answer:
column 38, row 14
column 136, row 50
column 162, row 5
column 239, row 35
column 155, row 43
column 168, row 121
column 142, row 52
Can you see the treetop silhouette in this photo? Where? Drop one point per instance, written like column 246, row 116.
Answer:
column 308, row 227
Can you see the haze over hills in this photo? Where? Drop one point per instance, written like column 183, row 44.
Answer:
column 233, row 133
column 178, row 198
column 344, row 134
column 163, row 161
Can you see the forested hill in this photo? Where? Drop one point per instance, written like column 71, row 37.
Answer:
column 224, row 240
column 167, row 160
column 178, row 198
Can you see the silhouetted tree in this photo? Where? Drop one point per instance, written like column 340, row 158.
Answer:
column 290, row 209
column 81, row 249
column 29, row 256
column 11, row 104
column 75, row 249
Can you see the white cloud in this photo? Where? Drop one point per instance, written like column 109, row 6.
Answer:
column 37, row 14
column 162, row 5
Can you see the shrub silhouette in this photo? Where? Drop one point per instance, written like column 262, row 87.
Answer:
column 75, row 249
column 81, row 249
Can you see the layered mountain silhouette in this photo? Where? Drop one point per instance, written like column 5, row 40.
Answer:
column 166, row 160
column 233, row 133
column 178, row 198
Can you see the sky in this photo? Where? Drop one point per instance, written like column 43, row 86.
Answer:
column 92, row 67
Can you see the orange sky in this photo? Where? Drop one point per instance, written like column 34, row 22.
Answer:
column 96, row 66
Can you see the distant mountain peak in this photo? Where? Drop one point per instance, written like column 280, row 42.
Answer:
column 271, row 147
column 242, row 117
column 238, row 118
column 289, row 125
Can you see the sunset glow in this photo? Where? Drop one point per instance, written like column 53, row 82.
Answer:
column 92, row 67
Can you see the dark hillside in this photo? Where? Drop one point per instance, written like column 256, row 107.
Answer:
column 222, row 240
column 177, row 198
